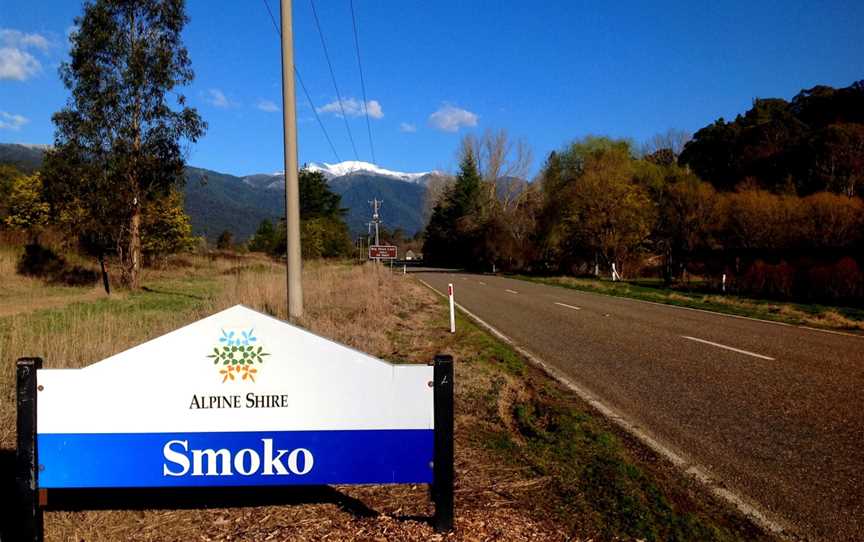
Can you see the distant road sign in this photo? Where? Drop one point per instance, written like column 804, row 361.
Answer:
column 382, row 252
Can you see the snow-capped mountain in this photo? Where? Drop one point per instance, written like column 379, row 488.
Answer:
column 350, row 167
column 358, row 182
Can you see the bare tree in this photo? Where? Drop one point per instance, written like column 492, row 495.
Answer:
column 672, row 139
column 504, row 163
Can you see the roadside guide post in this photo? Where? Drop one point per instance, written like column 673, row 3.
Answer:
column 452, row 308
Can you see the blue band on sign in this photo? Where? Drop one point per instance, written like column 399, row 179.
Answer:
column 386, row 456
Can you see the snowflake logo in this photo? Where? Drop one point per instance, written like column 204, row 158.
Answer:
column 236, row 355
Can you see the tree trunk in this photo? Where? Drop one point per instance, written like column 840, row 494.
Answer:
column 667, row 265
column 105, row 283
column 134, row 265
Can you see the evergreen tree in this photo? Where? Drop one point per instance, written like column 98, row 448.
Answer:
column 453, row 234
column 323, row 233
column 225, row 241
column 316, row 198
column 118, row 142
column 264, row 237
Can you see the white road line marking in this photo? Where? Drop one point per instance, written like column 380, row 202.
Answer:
column 833, row 332
column 569, row 306
column 718, row 345
column 511, row 291
column 481, row 283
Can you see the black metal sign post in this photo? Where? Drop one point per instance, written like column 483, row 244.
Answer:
column 26, row 462
column 442, row 471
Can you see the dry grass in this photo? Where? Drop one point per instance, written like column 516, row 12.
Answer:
column 826, row 318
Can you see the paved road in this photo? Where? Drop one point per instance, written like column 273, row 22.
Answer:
column 776, row 411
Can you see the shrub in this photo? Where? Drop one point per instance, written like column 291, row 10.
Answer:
column 43, row 262
column 39, row 261
column 842, row 280
column 764, row 279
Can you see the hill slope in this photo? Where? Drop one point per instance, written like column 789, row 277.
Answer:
column 27, row 158
column 216, row 202
column 402, row 201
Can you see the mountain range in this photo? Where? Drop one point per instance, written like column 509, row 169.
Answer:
column 218, row 201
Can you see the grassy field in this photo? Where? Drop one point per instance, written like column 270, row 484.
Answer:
column 533, row 463
column 821, row 316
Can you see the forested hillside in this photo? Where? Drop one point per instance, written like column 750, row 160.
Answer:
column 813, row 143
column 402, row 208
column 218, row 202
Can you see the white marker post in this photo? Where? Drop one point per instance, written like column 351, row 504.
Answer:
column 724, row 283
column 452, row 308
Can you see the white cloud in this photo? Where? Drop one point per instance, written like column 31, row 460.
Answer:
column 17, row 64
column 374, row 109
column 353, row 108
column 20, row 40
column 407, row 127
column 449, row 118
column 217, row 98
column 8, row 121
column 267, row 106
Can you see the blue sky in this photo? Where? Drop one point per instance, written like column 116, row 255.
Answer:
column 548, row 72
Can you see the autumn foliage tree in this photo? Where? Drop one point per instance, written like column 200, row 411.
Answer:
column 26, row 209
column 119, row 142
column 595, row 210
column 166, row 228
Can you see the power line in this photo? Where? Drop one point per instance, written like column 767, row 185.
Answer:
column 315, row 111
column 362, row 82
column 333, row 77
column 305, row 91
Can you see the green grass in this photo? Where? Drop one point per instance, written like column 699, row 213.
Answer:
column 489, row 349
column 595, row 484
column 823, row 316
column 143, row 307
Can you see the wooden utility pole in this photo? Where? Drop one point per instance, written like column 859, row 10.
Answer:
column 292, row 186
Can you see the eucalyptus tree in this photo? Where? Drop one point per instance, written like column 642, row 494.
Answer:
column 121, row 139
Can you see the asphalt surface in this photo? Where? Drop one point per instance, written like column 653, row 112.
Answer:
column 774, row 411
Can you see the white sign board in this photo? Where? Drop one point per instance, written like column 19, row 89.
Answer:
column 238, row 398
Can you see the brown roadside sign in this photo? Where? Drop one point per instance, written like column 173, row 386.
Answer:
column 382, row 252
